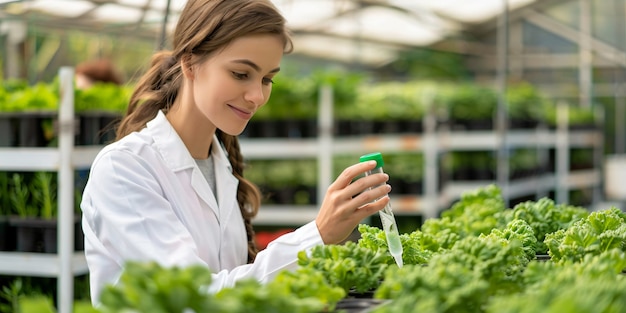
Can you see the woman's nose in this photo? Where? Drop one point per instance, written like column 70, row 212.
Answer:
column 255, row 94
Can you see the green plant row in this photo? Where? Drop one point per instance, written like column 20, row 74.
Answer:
column 479, row 256
column 294, row 172
column 354, row 99
column 18, row 96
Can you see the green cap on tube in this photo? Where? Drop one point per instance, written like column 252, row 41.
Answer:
column 376, row 156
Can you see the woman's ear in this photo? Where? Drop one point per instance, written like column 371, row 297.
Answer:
column 187, row 68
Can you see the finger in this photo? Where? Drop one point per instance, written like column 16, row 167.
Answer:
column 370, row 196
column 372, row 207
column 350, row 173
column 364, row 183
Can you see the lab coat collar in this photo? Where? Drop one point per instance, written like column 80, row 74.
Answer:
column 173, row 149
column 169, row 144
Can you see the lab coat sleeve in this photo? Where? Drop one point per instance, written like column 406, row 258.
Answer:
column 281, row 254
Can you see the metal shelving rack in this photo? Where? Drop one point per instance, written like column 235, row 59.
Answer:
column 64, row 159
column 432, row 144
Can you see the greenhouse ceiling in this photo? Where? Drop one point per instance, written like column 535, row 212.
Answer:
column 366, row 31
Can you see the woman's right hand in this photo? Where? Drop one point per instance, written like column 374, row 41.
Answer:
column 348, row 201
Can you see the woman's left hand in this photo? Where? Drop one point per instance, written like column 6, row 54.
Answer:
column 348, row 201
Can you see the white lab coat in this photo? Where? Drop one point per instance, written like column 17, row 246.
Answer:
column 146, row 199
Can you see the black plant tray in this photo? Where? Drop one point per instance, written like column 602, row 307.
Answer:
column 358, row 305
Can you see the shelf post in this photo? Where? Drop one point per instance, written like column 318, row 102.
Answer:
column 431, row 165
column 65, row 225
column 325, row 154
column 562, row 152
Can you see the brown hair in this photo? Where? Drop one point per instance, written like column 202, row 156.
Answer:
column 204, row 27
column 101, row 70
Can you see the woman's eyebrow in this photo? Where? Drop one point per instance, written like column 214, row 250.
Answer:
column 254, row 65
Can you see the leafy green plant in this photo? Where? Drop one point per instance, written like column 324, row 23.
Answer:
column 545, row 217
column 417, row 247
column 406, row 166
column 20, row 197
column 600, row 231
column 342, row 161
column 524, row 101
column 460, row 279
column 521, row 231
column 424, row 63
column 150, row 287
column 282, row 173
column 391, row 100
column 523, row 159
column 593, row 285
column 345, row 89
column 306, row 172
column 41, row 96
column 44, row 304
column 347, row 266
column 5, row 202
column 476, row 212
column 250, row 296
column 291, row 98
column 577, row 116
column 13, row 84
column 308, row 283
column 11, row 294
column 103, row 97
column 255, row 171
column 468, row 101
column 43, row 191
column 38, row 303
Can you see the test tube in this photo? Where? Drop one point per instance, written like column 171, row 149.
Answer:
column 386, row 214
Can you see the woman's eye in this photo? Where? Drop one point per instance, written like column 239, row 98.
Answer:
column 240, row 75
column 267, row 81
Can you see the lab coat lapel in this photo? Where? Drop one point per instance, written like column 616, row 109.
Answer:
column 227, row 183
column 178, row 159
column 203, row 190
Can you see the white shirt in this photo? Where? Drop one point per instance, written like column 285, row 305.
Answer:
column 147, row 200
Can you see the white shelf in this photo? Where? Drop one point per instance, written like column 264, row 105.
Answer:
column 278, row 149
column 44, row 159
column 280, row 215
column 288, row 148
column 488, row 140
column 39, row 264
column 277, row 215
column 583, row 178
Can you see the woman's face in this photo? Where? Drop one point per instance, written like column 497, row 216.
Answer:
column 233, row 84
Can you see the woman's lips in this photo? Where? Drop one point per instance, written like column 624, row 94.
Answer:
column 242, row 114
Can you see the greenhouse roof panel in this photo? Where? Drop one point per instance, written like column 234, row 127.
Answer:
column 321, row 28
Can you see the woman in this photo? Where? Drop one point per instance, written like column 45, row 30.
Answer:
column 171, row 188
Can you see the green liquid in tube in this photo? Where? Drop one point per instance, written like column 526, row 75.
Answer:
column 391, row 232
